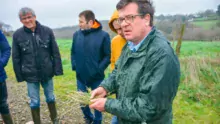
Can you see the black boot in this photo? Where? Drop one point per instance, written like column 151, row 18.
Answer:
column 7, row 119
column 88, row 121
column 36, row 115
column 53, row 112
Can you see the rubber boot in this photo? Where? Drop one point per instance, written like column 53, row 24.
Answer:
column 36, row 115
column 7, row 119
column 53, row 112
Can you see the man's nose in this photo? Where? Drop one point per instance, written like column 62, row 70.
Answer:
column 123, row 24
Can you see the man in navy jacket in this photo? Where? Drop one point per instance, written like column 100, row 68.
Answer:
column 5, row 51
column 90, row 56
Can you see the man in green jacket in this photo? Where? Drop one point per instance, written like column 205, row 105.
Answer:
column 147, row 74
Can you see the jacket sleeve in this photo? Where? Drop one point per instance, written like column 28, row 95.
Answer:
column 107, row 53
column 57, row 63
column 73, row 62
column 16, row 59
column 5, row 51
column 110, row 84
column 158, row 87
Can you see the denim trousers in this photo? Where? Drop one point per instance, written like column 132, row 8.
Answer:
column 83, row 87
column 34, row 92
column 3, row 98
column 114, row 120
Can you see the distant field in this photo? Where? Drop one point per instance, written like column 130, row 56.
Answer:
column 200, row 49
column 198, row 98
column 205, row 24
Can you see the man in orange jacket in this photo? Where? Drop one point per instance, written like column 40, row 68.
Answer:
column 117, row 44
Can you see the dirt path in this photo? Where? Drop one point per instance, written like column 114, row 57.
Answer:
column 68, row 110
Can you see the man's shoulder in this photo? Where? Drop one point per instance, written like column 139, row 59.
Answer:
column 18, row 31
column 160, row 45
column 1, row 36
column 76, row 32
column 46, row 28
column 104, row 32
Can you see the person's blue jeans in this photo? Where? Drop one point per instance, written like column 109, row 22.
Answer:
column 34, row 92
column 114, row 120
column 3, row 98
column 82, row 87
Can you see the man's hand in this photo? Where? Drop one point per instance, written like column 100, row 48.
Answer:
column 100, row 92
column 98, row 104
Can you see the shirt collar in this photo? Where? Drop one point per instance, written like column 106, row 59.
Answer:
column 134, row 47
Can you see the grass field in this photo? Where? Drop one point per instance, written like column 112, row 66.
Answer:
column 198, row 98
column 206, row 24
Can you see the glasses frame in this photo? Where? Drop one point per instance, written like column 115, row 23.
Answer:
column 128, row 19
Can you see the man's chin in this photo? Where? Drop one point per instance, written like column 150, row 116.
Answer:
column 128, row 38
column 29, row 26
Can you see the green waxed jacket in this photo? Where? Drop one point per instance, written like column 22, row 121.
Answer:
column 146, row 82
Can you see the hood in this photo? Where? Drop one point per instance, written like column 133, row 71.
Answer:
column 114, row 17
column 96, row 26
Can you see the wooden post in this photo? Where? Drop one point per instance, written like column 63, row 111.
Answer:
column 179, row 43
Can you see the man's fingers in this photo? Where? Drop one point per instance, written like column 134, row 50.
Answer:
column 93, row 94
column 93, row 104
column 93, row 100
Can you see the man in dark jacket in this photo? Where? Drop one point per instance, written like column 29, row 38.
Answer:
column 5, row 51
column 36, row 59
column 90, row 56
column 147, row 74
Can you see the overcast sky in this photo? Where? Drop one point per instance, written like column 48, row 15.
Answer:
column 59, row 13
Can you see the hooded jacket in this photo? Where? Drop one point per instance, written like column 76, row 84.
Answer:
column 117, row 42
column 90, row 53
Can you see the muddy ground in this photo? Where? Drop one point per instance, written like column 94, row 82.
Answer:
column 68, row 110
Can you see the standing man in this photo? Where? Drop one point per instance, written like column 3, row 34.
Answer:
column 117, row 44
column 147, row 74
column 90, row 56
column 5, row 52
column 36, row 59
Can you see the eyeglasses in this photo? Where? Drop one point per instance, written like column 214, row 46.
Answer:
column 29, row 17
column 128, row 19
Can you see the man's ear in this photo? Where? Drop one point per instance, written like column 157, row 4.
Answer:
column 147, row 19
column 91, row 23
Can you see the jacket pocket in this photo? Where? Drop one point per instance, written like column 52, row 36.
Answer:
column 44, row 44
column 25, row 47
column 27, row 70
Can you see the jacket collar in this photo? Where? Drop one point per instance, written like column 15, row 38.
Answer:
column 148, row 39
column 144, row 44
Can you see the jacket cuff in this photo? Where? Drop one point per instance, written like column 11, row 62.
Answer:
column 108, row 105
column 58, row 73
column 105, row 87
column 20, row 79
column 111, row 106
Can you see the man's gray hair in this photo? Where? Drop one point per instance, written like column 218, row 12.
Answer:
column 25, row 10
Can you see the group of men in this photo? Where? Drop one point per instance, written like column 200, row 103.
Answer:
column 145, row 70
